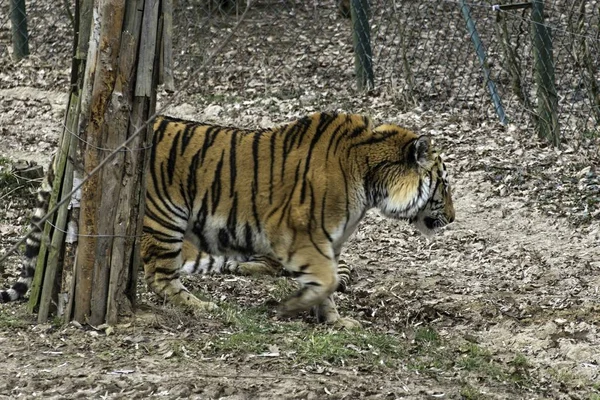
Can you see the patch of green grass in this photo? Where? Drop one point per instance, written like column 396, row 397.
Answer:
column 340, row 347
column 251, row 331
column 474, row 358
column 427, row 336
column 520, row 370
column 590, row 134
column 469, row 392
column 283, row 288
column 12, row 321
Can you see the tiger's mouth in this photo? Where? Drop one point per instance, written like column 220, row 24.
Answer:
column 428, row 225
column 431, row 223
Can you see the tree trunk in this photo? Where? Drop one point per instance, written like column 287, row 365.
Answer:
column 115, row 95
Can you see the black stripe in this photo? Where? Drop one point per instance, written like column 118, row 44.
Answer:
column 164, row 223
column 32, row 251
column 4, row 297
column 166, row 271
column 333, row 136
column 224, row 239
column 232, row 217
column 232, row 163
column 255, row 210
column 192, row 180
column 249, row 239
column 197, row 263
column 313, row 221
column 346, row 195
column 216, row 184
column 172, row 160
column 186, row 138
column 372, row 140
column 162, row 127
column 164, row 193
column 209, row 138
column 286, row 206
column 184, row 195
column 354, row 133
column 21, row 288
column 27, row 271
column 323, row 227
column 211, row 263
column 271, row 165
column 167, row 255
column 325, row 120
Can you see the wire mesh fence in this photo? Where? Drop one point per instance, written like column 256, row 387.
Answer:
column 476, row 59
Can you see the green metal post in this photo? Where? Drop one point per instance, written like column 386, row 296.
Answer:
column 18, row 20
column 547, row 98
column 479, row 50
column 361, row 34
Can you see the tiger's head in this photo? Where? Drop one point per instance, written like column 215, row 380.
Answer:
column 410, row 181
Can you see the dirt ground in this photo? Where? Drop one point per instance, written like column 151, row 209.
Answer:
column 502, row 304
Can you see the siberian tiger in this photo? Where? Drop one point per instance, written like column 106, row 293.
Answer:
column 273, row 200
column 293, row 194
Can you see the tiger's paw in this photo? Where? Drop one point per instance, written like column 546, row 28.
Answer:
column 250, row 268
column 194, row 304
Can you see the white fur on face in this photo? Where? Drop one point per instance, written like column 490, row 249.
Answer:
column 407, row 202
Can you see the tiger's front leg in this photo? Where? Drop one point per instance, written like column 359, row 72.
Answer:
column 327, row 312
column 318, row 278
column 162, row 264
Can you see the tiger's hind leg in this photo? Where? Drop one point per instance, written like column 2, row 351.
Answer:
column 162, row 266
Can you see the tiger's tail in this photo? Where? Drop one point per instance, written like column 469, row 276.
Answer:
column 33, row 242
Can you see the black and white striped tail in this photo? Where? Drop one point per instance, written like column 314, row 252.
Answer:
column 33, row 242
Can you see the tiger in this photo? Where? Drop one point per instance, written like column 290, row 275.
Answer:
column 293, row 193
column 279, row 201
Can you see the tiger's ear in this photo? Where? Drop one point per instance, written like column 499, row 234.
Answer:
column 419, row 150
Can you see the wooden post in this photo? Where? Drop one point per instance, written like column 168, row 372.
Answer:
column 547, row 98
column 114, row 83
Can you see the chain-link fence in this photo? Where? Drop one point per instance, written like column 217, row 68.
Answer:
column 47, row 27
column 476, row 59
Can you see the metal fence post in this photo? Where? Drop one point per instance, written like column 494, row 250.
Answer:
column 18, row 20
column 480, row 51
column 361, row 35
column 547, row 98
